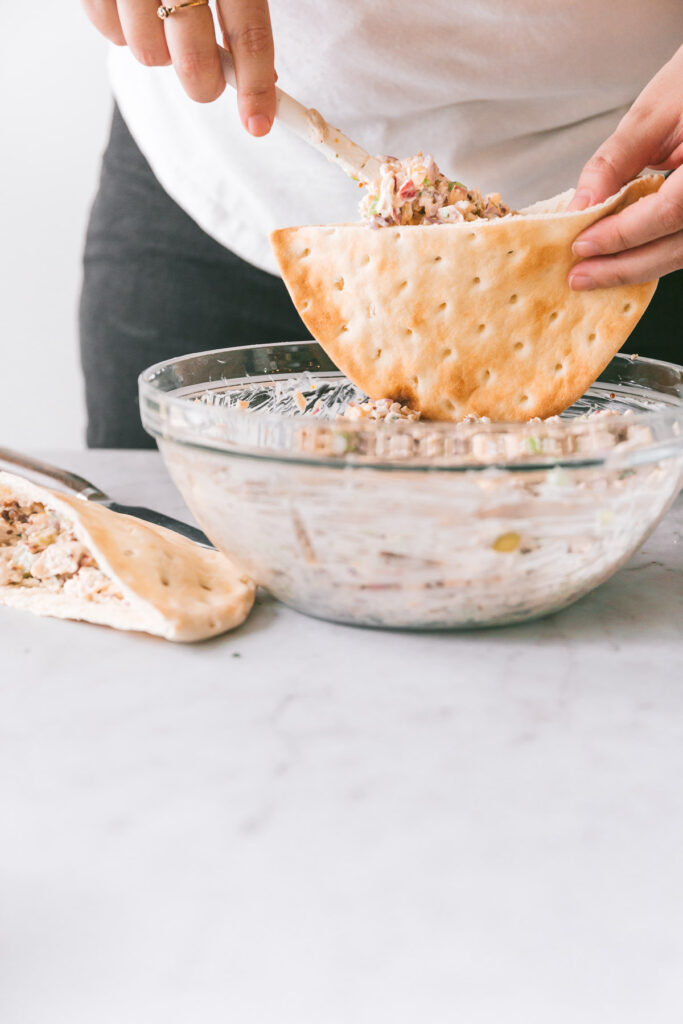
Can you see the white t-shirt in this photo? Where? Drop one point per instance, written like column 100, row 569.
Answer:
column 509, row 96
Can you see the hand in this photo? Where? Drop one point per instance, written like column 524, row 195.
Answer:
column 187, row 39
column 645, row 240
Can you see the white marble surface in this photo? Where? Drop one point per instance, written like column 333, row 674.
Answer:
column 315, row 824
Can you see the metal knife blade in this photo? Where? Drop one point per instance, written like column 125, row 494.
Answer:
column 90, row 492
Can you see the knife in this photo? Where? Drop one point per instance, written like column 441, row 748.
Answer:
column 89, row 492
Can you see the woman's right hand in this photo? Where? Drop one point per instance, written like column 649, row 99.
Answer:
column 187, row 39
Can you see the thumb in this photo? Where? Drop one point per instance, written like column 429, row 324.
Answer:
column 647, row 135
column 619, row 159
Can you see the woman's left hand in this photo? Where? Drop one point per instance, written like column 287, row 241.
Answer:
column 645, row 240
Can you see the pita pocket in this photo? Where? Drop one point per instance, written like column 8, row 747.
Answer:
column 62, row 556
column 468, row 318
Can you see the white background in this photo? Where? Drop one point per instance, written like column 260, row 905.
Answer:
column 54, row 116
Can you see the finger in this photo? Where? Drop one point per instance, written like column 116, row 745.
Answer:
column 226, row 41
column 619, row 159
column 191, row 39
column 651, row 217
column 246, row 25
column 647, row 135
column 636, row 142
column 104, row 16
column 646, row 263
column 144, row 32
column 673, row 160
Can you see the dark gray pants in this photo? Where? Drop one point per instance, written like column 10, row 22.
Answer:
column 156, row 286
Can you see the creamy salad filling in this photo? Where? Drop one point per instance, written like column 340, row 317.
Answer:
column 347, row 419
column 38, row 548
column 341, row 400
column 365, row 522
column 422, row 549
column 414, row 191
column 381, row 409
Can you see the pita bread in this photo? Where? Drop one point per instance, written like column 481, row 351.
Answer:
column 169, row 586
column 475, row 317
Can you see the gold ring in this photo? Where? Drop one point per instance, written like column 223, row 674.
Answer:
column 166, row 12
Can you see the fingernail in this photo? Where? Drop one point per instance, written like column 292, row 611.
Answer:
column 581, row 282
column 586, row 249
column 258, row 124
column 582, row 199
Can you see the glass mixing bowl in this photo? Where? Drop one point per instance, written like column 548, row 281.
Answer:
column 413, row 524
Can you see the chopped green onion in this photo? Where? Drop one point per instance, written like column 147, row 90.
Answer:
column 350, row 439
column 532, row 445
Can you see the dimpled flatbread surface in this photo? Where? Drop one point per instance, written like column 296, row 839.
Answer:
column 172, row 587
column 468, row 318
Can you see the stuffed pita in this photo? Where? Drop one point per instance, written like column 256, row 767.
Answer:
column 465, row 318
column 62, row 556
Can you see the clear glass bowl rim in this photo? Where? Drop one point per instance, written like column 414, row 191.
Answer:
column 162, row 409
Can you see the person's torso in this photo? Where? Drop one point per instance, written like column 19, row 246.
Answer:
column 507, row 95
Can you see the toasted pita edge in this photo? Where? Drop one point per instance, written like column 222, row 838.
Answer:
column 172, row 587
column 543, row 233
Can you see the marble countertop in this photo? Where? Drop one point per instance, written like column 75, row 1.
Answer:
column 310, row 823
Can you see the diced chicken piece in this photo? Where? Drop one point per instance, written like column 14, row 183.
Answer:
column 90, row 583
column 9, row 572
column 59, row 559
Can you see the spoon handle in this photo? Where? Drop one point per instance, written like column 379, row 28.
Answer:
column 312, row 127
